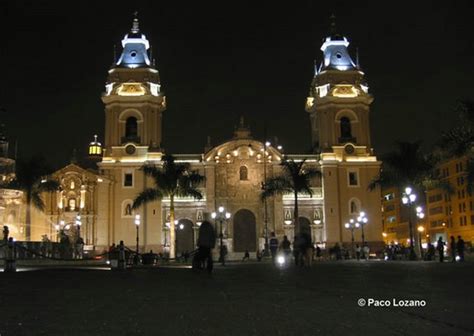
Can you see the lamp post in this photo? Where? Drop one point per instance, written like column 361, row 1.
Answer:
column 266, row 251
column 57, row 227
column 420, row 214
column 352, row 225
column 221, row 216
column 362, row 220
column 137, row 224
column 409, row 198
column 78, row 225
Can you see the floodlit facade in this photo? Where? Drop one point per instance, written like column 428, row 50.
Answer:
column 338, row 106
column 446, row 214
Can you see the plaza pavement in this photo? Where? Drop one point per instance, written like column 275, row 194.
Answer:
column 240, row 299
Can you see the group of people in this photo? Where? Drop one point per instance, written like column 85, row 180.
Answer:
column 456, row 249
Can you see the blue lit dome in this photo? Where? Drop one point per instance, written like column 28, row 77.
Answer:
column 135, row 46
column 336, row 55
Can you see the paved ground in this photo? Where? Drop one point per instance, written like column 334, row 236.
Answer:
column 240, row 299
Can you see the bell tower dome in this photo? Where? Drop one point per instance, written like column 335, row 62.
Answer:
column 338, row 102
column 133, row 99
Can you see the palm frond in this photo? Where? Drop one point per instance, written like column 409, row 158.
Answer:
column 147, row 195
column 276, row 186
column 37, row 201
column 48, row 186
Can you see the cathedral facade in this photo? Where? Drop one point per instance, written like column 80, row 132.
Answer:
column 97, row 204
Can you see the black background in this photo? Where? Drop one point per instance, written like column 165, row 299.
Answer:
column 220, row 60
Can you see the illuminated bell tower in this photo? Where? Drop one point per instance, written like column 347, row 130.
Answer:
column 133, row 100
column 339, row 101
column 339, row 106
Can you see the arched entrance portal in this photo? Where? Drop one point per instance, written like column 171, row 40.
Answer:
column 245, row 231
column 304, row 225
column 184, row 236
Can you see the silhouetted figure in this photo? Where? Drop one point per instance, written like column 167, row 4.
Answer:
column 431, row 252
column 306, row 249
column 358, row 250
column 273, row 245
column 206, row 242
column 285, row 246
column 121, row 256
column 337, row 251
column 259, row 255
column 6, row 232
column 318, row 253
column 246, row 255
column 460, row 248
column 366, row 251
column 223, row 254
column 440, row 248
column 452, row 249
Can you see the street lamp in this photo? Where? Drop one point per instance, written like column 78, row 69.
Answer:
column 266, row 144
column 409, row 198
column 352, row 225
column 78, row 224
column 362, row 220
column 137, row 224
column 221, row 216
column 420, row 214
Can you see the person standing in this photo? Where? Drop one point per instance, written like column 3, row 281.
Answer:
column 273, row 246
column 206, row 242
column 440, row 248
column 286, row 246
column 452, row 249
column 358, row 250
column 366, row 251
column 460, row 248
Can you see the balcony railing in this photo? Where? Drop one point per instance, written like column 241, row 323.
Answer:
column 344, row 140
column 133, row 139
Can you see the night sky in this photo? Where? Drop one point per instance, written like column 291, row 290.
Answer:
column 220, row 60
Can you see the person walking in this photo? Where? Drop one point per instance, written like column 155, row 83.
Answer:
column 285, row 246
column 318, row 253
column 460, row 248
column 366, row 251
column 452, row 249
column 306, row 249
column 246, row 255
column 273, row 246
column 358, row 250
column 206, row 242
column 223, row 254
column 440, row 248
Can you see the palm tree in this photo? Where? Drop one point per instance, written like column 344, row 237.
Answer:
column 295, row 179
column 405, row 167
column 459, row 141
column 171, row 180
column 32, row 178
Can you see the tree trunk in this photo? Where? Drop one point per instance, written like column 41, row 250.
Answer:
column 172, row 229
column 297, row 226
column 28, row 218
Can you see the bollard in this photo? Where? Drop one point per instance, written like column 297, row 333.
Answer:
column 10, row 256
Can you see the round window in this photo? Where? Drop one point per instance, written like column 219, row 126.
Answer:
column 133, row 53
column 339, row 55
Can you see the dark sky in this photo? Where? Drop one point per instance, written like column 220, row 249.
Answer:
column 229, row 58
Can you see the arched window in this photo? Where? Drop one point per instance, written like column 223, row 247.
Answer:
column 72, row 204
column 346, row 131
column 354, row 208
column 131, row 128
column 243, row 173
column 128, row 210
